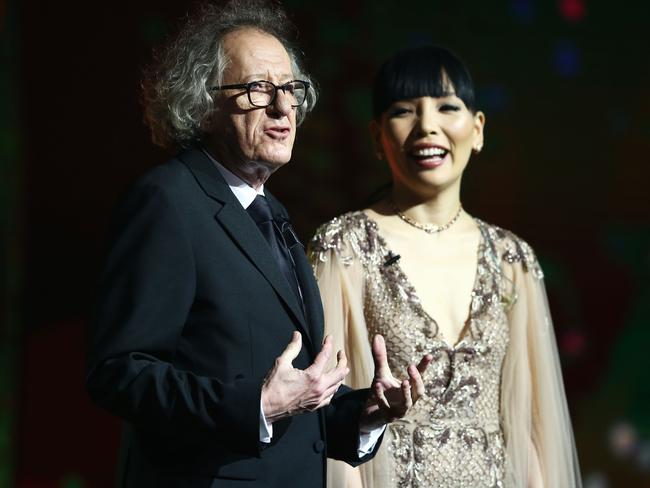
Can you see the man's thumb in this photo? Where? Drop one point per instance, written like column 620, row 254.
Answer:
column 293, row 348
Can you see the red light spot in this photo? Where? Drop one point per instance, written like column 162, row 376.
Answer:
column 572, row 10
column 573, row 343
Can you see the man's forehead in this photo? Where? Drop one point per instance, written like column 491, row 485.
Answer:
column 252, row 52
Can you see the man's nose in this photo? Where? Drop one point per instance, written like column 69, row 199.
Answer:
column 282, row 103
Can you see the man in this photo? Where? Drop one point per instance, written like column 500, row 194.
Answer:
column 208, row 333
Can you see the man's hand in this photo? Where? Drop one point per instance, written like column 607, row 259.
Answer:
column 391, row 398
column 289, row 391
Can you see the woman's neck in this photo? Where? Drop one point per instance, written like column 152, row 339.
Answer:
column 435, row 208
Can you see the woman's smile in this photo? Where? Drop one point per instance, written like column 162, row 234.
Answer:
column 428, row 155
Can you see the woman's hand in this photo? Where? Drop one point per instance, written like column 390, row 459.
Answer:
column 391, row 399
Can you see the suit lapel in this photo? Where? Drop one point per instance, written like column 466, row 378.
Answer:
column 242, row 230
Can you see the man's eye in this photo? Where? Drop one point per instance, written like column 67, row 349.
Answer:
column 290, row 87
column 257, row 86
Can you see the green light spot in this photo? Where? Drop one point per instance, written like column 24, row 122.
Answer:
column 72, row 481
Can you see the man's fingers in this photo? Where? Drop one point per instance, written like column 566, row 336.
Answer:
column 322, row 400
column 323, row 356
column 341, row 360
column 338, row 374
column 332, row 390
column 293, row 348
column 325, row 402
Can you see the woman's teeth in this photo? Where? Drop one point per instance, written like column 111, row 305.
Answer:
column 428, row 152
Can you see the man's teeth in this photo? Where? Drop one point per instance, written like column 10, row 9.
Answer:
column 429, row 151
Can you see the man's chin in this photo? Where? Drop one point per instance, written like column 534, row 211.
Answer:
column 277, row 159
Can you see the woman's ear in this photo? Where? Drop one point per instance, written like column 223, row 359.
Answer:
column 479, row 125
column 375, row 135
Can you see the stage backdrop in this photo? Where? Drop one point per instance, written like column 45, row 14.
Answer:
column 564, row 85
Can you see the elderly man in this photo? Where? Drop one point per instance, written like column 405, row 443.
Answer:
column 208, row 332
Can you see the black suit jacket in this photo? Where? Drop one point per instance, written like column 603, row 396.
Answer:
column 192, row 313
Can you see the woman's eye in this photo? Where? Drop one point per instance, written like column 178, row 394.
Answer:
column 449, row 107
column 398, row 111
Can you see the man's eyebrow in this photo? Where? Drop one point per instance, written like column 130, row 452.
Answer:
column 262, row 76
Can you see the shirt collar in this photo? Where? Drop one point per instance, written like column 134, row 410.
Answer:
column 244, row 193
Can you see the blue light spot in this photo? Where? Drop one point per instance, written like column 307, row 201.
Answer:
column 523, row 11
column 567, row 59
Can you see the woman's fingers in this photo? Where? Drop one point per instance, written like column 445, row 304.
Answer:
column 406, row 394
column 415, row 380
column 424, row 363
column 380, row 357
column 380, row 394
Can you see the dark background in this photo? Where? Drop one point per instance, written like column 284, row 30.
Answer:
column 564, row 85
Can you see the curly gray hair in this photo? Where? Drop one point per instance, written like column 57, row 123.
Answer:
column 175, row 93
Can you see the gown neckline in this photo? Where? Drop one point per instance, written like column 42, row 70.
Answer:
column 464, row 335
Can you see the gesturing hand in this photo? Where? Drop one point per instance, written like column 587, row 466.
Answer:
column 289, row 391
column 391, row 398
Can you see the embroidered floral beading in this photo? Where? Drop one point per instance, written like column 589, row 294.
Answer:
column 452, row 438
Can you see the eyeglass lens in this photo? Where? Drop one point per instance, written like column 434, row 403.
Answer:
column 261, row 93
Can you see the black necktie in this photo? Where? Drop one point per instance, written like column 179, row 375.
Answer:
column 260, row 212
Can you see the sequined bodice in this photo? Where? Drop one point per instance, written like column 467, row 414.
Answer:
column 452, row 437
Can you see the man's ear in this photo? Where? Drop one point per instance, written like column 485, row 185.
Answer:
column 206, row 124
column 208, row 121
column 375, row 135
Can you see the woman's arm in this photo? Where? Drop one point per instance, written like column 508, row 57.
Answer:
column 540, row 446
column 340, row 280
column 354, row 477
column 535, row 479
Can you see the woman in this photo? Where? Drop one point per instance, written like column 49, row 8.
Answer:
column 418, row 269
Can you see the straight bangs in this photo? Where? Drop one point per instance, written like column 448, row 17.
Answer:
column 426, row 71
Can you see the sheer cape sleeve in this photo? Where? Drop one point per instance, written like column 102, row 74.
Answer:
column 540, row 451
column 336, row 258
column 539, row 440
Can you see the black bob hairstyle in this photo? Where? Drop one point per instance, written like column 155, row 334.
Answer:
column 419, row 72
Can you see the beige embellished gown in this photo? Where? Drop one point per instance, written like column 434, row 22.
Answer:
column 494, row 414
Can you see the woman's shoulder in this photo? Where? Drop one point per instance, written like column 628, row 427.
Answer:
column 352, row 232
column 509, row 248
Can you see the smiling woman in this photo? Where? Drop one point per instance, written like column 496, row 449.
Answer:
column 418, row 269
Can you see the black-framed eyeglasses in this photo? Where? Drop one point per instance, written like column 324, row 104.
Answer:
column 261, row 93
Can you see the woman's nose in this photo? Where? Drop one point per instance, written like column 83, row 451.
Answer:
column 428, row 120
